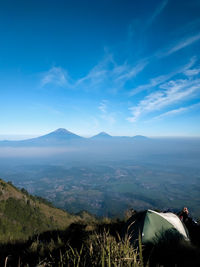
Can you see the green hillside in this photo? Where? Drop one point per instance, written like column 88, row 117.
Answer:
column 34, row 233
column 23, row 215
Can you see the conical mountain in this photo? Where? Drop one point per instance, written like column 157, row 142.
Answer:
column 140, row 137
column 102, row 135
column 58, row 137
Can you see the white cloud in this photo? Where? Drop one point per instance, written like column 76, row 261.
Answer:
column 192, row 72
column 171, row 113
column 56, row 76
column 157, row 12
column 181, row 44
column 176, row 111
column 163, row 78
column 119, row 69
column 141, row 26
column 108, row 74
column 131, row 72
column 105, row 114
column 103, row 106
column 97, row 75
column 169, row 94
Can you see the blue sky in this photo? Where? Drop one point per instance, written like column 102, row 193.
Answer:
column 126, row 67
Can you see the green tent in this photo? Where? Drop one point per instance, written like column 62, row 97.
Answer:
column 154, row 225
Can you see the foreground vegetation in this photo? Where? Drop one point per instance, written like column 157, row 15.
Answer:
column 23, row 215
column 34, row 233
column 97, row 244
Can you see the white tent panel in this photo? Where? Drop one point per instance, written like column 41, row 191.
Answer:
column 174, row 220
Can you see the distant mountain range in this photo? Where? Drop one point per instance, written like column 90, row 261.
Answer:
column 64, row 137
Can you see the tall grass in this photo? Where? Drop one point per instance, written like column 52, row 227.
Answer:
column 101, row 250
column 85, row 245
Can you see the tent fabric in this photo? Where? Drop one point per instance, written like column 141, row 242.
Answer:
column 175, row 221
column 152, row 225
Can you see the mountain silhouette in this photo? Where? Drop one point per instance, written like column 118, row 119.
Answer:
column 60, row 134
column 140, row 137
column 102, row 135
column 58, row 137
column 63, row 137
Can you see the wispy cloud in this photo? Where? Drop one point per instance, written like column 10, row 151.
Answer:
column 156, row 81
column 170, row 93
column 180, row 45
column 192, row 72
column 105, row 114
column 171, row 113
column 103, row 106
column 145, row 24
column 97, row 74
column 132, row 71
column 108, row 74
column 157, row 12
column 177, row 111
column 56, row 76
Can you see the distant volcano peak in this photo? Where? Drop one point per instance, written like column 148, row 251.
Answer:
column 62, row 133
column 102, row 135
column 59, row 136
column 140, row 137
column 61, row 130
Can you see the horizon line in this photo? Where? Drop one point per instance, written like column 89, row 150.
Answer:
column 22, row 136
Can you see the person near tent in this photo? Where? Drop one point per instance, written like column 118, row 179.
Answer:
column 186, row 219
column 184, row 215
column 192, row 226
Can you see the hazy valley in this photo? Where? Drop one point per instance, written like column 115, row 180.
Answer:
column 106, row 175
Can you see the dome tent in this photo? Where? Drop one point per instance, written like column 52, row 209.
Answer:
column 154, row 225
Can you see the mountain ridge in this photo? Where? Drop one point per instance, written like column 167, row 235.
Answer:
column 23, row 215
column 62, row 136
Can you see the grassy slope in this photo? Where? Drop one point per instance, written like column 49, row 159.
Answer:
column 86, row 242
column 22, row 215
